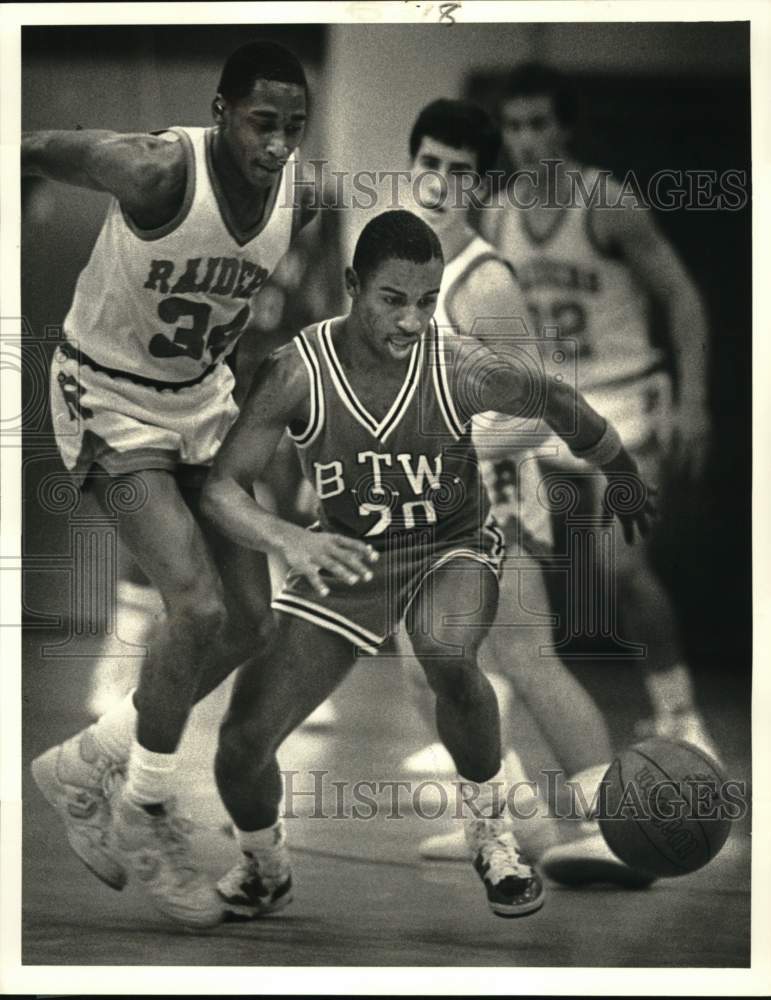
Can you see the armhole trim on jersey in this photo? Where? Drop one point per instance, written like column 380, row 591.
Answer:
column 463, row 277
column 606, row 252
column 148, row 235
column 316, row 405
column 442, row 386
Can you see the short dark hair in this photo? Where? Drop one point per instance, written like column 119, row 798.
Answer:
column 400, row 235
column 259, row 60
column 459, row 124
column 535, row 80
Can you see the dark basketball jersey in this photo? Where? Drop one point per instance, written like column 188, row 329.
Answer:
column 415, row 470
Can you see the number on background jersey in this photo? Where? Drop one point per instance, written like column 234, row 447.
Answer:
column 568, row 316
column 191, row 341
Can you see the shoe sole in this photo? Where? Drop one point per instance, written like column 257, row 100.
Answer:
column 572, row 872
column 43, row 770
column 523, row 910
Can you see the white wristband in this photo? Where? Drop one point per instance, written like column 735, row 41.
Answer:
column 604, row 450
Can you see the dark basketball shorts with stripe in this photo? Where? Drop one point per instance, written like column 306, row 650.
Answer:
column 368, row 612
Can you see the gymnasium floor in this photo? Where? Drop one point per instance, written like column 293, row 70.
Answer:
column 363, row 897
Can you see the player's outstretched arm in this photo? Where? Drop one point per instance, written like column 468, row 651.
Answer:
column 485, row 383
column 145, row 173
column 632, row 232
column 240, row 478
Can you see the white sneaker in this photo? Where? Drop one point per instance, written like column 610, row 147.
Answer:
column 77, row 779
column 513, row 888
column 155, row 846
column 433, row 761
column 260, row 883
column 324, row 717
column 589, row 859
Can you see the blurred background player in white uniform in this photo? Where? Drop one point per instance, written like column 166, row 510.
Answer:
column 549, row 720
column 593, row 274
column 141, row 401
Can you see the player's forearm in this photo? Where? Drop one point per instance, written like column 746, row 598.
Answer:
column 61, row 156
column 570, row 416
column 243, row 519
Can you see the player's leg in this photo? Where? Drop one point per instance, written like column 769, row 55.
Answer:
column 648, row 615
column 448, row 619
column 270, row 698
column 163, row 537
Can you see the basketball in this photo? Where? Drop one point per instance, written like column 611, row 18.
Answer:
column 662, row 809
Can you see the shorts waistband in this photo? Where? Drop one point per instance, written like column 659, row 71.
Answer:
column 77, row 355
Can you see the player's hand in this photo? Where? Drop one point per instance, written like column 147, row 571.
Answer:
column 311, row 553
column 629, row 497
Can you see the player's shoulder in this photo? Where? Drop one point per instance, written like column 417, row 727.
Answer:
column 616, row 211
column 283, row 374
column 489, row 267
column 152, row 168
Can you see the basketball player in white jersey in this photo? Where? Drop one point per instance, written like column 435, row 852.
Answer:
column 592, row 273
column 551, row 719
column 141, row 401
column 379, row 403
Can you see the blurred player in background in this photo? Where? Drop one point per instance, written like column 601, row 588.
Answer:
column 141, row 400
column 592, row 273
column 379, row 404
column 551, row 719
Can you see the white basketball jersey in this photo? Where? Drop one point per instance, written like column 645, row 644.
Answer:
column 576, row 288
column 168, row 303
column 456, row 272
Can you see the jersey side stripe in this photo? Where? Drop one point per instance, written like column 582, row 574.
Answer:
column 341, row 383
column 316, row 418
column 441, row 386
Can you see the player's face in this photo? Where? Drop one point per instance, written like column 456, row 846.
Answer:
column 263, row 129
column 395, row 303
column 531, row 132
column 443, row 179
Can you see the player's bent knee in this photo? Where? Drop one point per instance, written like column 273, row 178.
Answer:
column 456, row 679
column 201, row 616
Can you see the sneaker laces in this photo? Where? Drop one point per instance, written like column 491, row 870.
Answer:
column 267, row 866
column 501, row 854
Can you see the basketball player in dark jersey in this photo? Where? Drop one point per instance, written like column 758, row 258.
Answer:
column 379, row 403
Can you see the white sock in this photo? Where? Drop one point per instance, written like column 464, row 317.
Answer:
column 149, row 775
column 485, row 799
column 671, row 690
column 258, row 841
column 528, row 813
column 115, row 731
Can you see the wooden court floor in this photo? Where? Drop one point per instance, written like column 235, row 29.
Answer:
column 363, row 897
